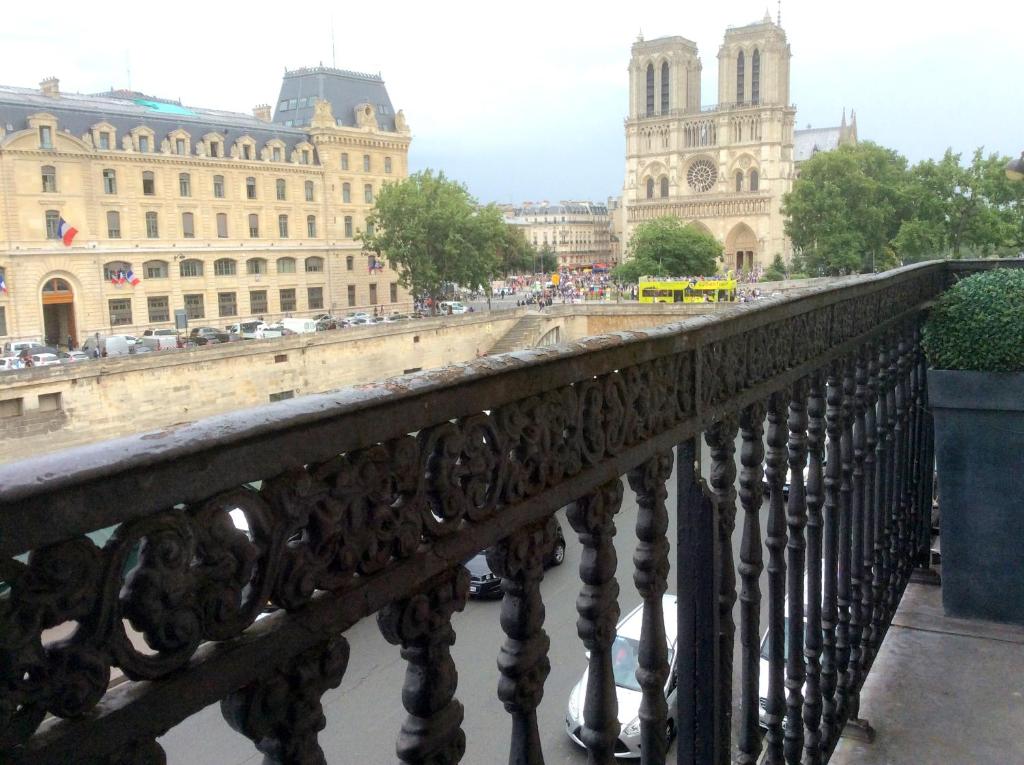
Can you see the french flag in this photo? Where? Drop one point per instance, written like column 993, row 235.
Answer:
column 66, row 232
column 3, row 285
column 115, row 278
column 130, row 277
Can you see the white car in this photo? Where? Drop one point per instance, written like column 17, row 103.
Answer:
column 454, row 305
column 71, row 357
column 45, row 359
column 625, row 650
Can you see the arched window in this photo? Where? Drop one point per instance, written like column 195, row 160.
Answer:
column 256, row 266
column 286, row 265
column 190, row 268
column 311, row 226
column 281, row 189
column 282, row 226
column 49, row 178
column 115, row 269
column 740, row 66
column 309, row 191
column 52, row 223
column 155, row 269
column 152, row 225
column 113, row 224
column 664, row 87
column 188, row 225
column 753, row 180
column 314, row 265
column 650, row 89
column 739, row 180
column 184, row 184
column 650, row 188
column 346, row 193
column 664, row 186
column 54, row 285
column 254, row 226
column 250, row 188
column 109, row 181
column 225, row 267
column 755, row 77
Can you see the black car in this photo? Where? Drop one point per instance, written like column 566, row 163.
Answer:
column 208, row 335
column 484, row 583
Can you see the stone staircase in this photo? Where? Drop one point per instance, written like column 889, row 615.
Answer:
column 523, row 334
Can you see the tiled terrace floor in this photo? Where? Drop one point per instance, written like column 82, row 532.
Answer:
column 942, row 691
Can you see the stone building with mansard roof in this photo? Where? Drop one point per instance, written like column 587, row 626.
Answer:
column 225, row 215
column 723, row 167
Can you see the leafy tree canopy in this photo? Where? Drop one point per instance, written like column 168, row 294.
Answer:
column 669, row 247
column 431, row 231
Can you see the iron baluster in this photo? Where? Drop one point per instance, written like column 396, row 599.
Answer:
column 844, row 556
column 881, row 501
column 813, row 632
column 870, row 563
column 775, row 471
column 651, row 561
column 860, row 378
column 592, row 517
column 796, row 520
column 830, row 556
column 721, row 439
column 523, row 660
column 893, row 501
column 751, row 564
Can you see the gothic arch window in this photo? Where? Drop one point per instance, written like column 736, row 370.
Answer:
column 754, row 180
column 755, row 77
column 664, row 87
column 650, row 188
column 740, row 65
column 664, row 186
column 739, row 180
column 650, row 89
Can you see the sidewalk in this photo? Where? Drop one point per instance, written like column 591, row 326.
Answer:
column 942, row 690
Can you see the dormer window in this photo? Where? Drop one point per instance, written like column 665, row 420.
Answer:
column 144, row 144
column 105, row 140
column 45, row 137
column 214, row 148
column 246, row 151
column 179, row 146
column 305, row 156
column 276, row 153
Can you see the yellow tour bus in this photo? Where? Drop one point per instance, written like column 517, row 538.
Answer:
column 666, row 289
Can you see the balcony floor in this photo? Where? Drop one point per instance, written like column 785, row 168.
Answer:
column 942, row 690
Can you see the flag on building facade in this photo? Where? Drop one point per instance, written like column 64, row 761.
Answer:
column 131, row 278
column 66, row 232
column 3, row 285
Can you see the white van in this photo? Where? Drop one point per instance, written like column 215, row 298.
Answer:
column 253, row 330
column 299, row 326
column 15, row 347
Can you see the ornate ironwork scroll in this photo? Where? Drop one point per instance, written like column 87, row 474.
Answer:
column 523, row 661
column 592, row 517
column 432, row 732
column 283, row 713
column 651, row 578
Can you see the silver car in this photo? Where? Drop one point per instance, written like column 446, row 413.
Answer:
column 625, row 650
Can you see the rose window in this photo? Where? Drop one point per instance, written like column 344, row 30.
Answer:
column 702, row 175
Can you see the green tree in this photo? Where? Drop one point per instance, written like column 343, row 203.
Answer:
column 668, row 247
column 776, row 272
column 515, row 254
column 431, row 231
column 547, row 260
column 846, row 208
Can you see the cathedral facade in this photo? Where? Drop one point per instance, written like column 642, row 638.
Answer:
column 723, row 168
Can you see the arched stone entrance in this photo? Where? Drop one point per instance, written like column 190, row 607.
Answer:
column 58, row 312
column 741, row 248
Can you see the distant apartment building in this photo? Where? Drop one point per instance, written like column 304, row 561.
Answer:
column 579, row 233
column 220, row 214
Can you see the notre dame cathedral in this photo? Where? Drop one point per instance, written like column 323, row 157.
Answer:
column 724, row 167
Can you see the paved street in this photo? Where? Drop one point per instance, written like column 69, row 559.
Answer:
column 365, row 713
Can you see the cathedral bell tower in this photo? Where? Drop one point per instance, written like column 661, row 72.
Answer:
column 753, row 65
column 664, row 76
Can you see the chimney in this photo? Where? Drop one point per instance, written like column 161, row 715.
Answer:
column 261, row 112
column 50, row 87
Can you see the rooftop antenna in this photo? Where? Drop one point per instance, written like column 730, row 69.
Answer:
column 334, row 61
column 778, row 18
column 128, row 66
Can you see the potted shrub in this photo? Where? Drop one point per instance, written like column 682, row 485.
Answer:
column 974, row 342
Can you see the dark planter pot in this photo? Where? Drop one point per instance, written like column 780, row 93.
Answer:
column 979, row 451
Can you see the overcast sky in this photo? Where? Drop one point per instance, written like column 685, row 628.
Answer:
column 526, row 101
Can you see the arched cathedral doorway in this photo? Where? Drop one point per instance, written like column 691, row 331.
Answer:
column 58, row 312
column 741, row 248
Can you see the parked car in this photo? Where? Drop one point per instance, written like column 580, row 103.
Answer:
column 452, row 306
column 9, row 363
column 208, row 336
column 298, row 326
column 14, row 347
column 484, row 583
column 396, row 317
column 625, row 650
column 253, row 330
column 73, row 357
column 160, row 339
column 45, row 359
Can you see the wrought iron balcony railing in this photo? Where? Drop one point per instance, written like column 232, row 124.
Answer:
column 366, row 501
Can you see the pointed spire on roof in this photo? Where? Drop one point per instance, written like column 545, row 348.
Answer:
column 778, row 19
column 767, row 16
column 640, row 36
column 844, row 117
